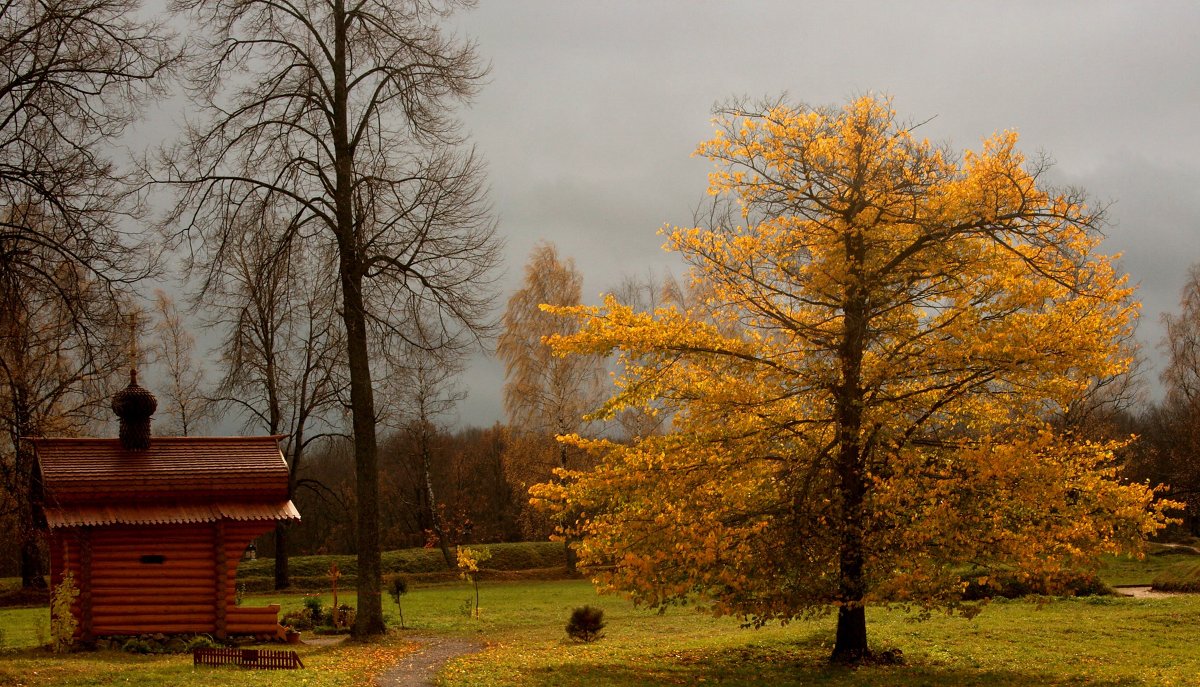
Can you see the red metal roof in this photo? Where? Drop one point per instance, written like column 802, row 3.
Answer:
column 176, row 479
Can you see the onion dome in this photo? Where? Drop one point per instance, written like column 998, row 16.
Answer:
column 134, row 405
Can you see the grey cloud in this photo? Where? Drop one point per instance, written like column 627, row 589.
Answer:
column 594, row 108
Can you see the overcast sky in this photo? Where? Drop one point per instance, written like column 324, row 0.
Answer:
column 592, row 111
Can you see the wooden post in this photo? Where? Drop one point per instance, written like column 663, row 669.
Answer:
column 85, row 583
column 222, row 596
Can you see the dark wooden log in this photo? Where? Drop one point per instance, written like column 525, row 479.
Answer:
column 126, row 628
column 138, row 606
column 85, row 584
column 221, row 582
column 155, row 619
column 201, row 589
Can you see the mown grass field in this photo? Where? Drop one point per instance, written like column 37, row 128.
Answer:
column 1091, row 641
column 1146, row 570
column 1097, row 641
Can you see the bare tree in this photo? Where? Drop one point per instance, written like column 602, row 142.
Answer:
column 51, row 381
column 174, row 350
column 1171, row 431
column 73, row 75
column 281, row 352
column 544, row 395
column 337, row 116
column 1182, row 344
column 1105, row 409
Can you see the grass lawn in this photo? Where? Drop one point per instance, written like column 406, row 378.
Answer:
column 1097, row 641
column 343, row 665
column 1123, row 570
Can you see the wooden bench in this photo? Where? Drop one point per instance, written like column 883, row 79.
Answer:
column 266, row 659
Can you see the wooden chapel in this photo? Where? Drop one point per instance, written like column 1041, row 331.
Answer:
column 152, row 529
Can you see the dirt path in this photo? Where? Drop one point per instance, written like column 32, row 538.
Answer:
column 326, row 640
column 1145, row 593
column 419, row 668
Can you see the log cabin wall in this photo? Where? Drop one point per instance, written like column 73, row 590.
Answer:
column 158, row 578
column 152, row 579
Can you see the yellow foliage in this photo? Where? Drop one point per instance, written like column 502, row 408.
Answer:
column 888, row 336
column 469, row 560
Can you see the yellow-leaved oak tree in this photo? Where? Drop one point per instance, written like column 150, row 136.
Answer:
column 862, row 409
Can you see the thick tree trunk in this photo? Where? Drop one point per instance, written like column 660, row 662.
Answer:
column 850, row 645
column 369, row 620
column 32, row 570
column 282, row 580
column 351, row 266
column 282, row 574
column 572, row 557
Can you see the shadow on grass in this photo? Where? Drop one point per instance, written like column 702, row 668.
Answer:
column 785, row 665
column 613, row 675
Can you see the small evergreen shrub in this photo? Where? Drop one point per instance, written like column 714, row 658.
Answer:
column 312, row 604
column 586, row 624
column 398, row 588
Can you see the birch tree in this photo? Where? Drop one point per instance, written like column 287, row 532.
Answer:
column 544, row 395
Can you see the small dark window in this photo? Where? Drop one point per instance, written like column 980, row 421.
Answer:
column 154, row 559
